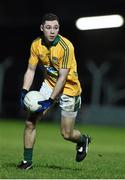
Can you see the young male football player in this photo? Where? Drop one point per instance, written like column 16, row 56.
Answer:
column 56, row 54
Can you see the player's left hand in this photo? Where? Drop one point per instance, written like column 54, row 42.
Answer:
column 45, row 105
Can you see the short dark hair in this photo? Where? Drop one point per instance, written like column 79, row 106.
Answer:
column 49, row 17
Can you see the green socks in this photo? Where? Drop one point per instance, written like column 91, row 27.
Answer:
column 28, row 153
column 82, row 139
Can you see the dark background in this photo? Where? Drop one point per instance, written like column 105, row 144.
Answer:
column 19, row 26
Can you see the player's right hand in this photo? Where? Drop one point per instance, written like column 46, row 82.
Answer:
column 45, row 105
column 22, row 95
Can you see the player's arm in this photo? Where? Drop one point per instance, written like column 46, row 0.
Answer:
column 28, row 79
column 29, row 76
column 63, row 73
column 45, row 105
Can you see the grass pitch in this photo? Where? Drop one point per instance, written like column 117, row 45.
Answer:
column 54, row 158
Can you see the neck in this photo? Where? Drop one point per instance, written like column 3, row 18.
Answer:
column 47, row 43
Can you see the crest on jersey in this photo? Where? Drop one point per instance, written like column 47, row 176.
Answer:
column 54, row 59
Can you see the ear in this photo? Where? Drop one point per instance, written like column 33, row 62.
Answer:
column 41, row 27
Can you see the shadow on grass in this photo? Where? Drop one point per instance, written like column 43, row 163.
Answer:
column 9, row 165
column 56, row 167
column 59, row 167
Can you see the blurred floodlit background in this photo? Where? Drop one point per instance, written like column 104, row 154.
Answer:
column 100, row 55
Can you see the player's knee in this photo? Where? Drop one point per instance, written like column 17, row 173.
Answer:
column 29, row 125
column 67, row 135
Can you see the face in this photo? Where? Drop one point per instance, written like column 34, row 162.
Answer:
column 50, row 30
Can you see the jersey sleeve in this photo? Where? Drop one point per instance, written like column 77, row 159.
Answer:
column 33, row 59
column 67, row 57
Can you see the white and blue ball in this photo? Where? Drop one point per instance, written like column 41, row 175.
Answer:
column 31, row 100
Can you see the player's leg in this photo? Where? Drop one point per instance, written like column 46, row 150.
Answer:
column 69, row 133
column 30, row 131
column 67, row 129
column 29, row 140
column 69, row 108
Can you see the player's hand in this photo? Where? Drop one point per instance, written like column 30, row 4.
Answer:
column 45, row 105
column 22, row 95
